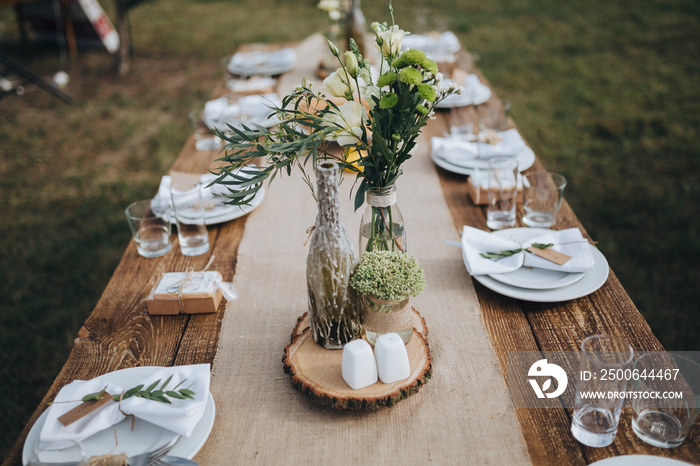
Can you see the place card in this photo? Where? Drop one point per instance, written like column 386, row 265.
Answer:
column 550, row 254
column 83, row 409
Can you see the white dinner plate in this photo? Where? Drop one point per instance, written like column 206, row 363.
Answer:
column 639, row 460
column 525, row 157
column 481, row 94
column 226, row 213
column 534, row 278
column 145, row 436
column 590, row 282
column 262, row 63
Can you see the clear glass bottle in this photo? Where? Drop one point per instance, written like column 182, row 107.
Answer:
column 382, row 227
column 380, row 316
column 334, row 308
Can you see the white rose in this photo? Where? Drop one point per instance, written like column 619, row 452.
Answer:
column 390, row 38
column 339, row 84
column 348, row 119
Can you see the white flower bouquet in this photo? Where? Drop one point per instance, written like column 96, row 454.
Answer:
column 379, row 120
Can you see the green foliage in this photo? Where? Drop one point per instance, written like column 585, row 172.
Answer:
column 398, row 110
column 391, row 275
column 152, row 392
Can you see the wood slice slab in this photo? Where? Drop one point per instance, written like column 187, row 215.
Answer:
column 317, row 372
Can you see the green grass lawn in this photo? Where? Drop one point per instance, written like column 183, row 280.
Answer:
column 605, row 91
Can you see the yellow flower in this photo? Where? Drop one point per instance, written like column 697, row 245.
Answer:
column 353, row 157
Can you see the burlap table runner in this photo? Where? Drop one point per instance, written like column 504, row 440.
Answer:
column 460, row 417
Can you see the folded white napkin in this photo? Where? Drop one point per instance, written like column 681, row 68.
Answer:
column 250, row 63
column 570, row 242
column 250, row 85
column 475, row 241
column 181, row 416
column 457, row 150
column 473, row 92
column 219, row 113
column 446, row 43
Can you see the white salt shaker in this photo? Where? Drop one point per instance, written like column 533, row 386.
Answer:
column 392, row 358
column 359, row 367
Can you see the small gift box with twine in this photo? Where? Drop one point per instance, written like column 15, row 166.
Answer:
column 186, row 293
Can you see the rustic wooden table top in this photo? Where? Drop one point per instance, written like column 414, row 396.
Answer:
column 120, row 333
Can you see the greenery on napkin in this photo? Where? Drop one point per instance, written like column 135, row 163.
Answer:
column 153, row 392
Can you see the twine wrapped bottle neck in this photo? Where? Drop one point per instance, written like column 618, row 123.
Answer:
column 384, row 197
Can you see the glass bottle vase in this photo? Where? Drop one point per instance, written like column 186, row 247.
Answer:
column 380, row 316
column 382, row 226
column 334, row 308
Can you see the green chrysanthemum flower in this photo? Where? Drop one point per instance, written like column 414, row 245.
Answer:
column 422, row 110
column 388, row 100
column 387, row 79
column 429, row 65
column 410, row 75
column 427, row 92
column 409, row 57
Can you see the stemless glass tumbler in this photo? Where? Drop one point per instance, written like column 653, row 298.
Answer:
column 189, row 213
column 595, row 418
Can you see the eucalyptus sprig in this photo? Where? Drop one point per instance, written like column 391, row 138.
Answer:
column 152, row 392
column 510, row 252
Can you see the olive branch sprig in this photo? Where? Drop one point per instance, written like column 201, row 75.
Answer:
column 494, row 256
column 152, row 392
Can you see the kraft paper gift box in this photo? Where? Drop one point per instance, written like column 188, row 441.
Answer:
column 185, row 293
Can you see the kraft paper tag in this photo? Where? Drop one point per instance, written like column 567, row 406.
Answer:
column 83, row 409
column 550, row 254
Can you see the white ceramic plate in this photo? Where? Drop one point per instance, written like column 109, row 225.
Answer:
column 590, row 282
column 525, row 157
column 537, row 279
column 530, row 277
column 639, row 460
column 262, row 63
column 145, row 436
column 480, row 95
column 226, row 213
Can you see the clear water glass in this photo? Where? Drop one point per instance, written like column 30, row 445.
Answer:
column 189, row 213
column 502, row 192
column 150, row 226
column 660, row 417
column 595, row 418
column 543, row 193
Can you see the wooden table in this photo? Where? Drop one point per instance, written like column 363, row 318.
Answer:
column 119, row 333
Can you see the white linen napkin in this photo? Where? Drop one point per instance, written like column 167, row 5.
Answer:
column 456, row 150
column 181, row 416
column 570, row 242
column 250, row 63
column 219, row 113
column 446, row 43
column 475, row 241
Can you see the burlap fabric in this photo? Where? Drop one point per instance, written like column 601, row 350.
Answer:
column 460, row 417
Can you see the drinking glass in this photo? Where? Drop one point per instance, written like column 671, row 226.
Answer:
column 502, row 192
column 150, row 225
column 542, row 196
column 189, row 213
column 204, row 139
column 661, row 417
column 600, row 391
